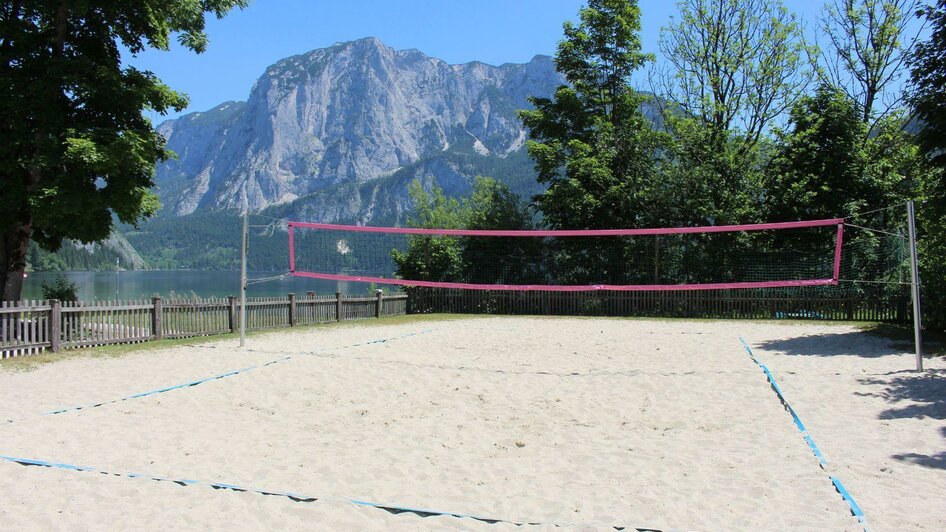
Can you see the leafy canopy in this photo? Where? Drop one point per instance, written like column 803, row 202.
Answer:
column 928, row 77
column 490, row 205
column 591, row 143
column 77, row 149
column 737, row 64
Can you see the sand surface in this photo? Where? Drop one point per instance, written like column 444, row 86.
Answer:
column 591, row 422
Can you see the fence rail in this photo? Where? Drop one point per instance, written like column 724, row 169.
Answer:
column 32, row 327
column 831, row 303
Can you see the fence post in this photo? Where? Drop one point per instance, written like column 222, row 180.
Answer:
column 338, row 306
column 377, row 310
column 156, row 324
column 292, row 310
column 55, row 324
column 231, row 313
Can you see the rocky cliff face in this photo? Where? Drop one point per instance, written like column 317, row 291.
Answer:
column 336, row 119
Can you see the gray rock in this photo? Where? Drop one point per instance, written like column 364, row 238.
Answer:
column 339, row 118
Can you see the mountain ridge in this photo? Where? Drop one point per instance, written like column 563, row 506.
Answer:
column 353, row 112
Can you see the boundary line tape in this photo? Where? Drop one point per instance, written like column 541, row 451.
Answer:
column 164, row 390
column 822, row 461
column 201, row 381
column 295, row 497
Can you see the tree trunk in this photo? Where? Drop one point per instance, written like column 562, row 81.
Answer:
column 13, row 246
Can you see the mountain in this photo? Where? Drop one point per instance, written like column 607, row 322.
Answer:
column 332, row 135
column 335, row 134
column 109, row 254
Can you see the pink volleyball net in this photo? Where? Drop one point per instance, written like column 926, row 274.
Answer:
column 771, row 255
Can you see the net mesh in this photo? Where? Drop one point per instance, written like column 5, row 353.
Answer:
column 797, row 254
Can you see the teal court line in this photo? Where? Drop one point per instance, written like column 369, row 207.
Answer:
column 296, row 497
column 822, row 461
column 207, row 379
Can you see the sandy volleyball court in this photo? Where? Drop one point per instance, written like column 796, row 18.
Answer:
column 591, row 422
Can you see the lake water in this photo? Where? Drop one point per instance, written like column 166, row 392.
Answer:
column 145, row 284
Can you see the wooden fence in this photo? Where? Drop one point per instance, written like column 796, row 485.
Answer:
column 31, row 327
column 881, row 304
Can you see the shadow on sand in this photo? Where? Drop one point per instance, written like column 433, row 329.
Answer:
column 888, row 339
column 936, row 461
column 908, row 394
column 925, row 398
column 849, row 343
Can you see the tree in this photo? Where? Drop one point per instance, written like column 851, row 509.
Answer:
column 77, row 152
column 928, row 77
column 868, row 44
column 738, row 68
column 591, row 143
column 491, row 205
column 514, row 260
column 829, row 164
column 738, row 65
column 432, row 258
column 817, row 168
column 63, row 289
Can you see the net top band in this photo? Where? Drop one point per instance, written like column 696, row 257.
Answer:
column 570, row 232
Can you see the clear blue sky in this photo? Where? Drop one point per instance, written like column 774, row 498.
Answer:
column 244, row 43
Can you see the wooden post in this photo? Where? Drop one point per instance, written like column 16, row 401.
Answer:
column 156, row 324
column 55, row 324
column 231, row 313
column 338, row 306
column 292, row 310
column 377, row 311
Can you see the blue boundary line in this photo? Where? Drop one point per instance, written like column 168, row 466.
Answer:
column 822, row 461
column 164, row 390
column 204, row 380
column 295, row 497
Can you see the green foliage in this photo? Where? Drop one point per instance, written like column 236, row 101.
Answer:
column 432, row 257
column 72, row 257
column 208, row 241
column 712, row 162
column 830, row 165
column 592, row 144
column 77, row 148
column 928, row 75
column 607, row 166
column 600, row 54
column 490, row 206
column 867, row 45
column 738, row 65
column 818, row 165
column 707, row 179
column 63, row 290
column 931, row 228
